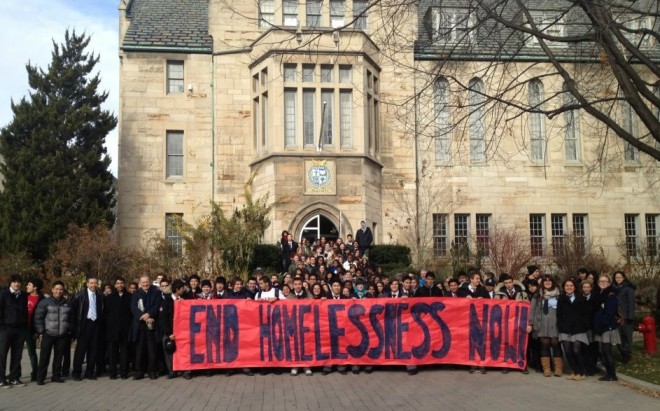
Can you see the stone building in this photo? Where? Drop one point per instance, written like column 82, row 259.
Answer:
column 348, row 110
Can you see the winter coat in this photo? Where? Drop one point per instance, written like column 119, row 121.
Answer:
column 625, row 295
column 13, row 311
column 151, row 300
column 425, row 291
column 520, row 295
column 572, row 317
column 118, row 316
column 479, row 292
column 605, row 316
column 54, row 317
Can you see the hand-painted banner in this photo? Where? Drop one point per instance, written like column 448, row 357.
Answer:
column 293, row 333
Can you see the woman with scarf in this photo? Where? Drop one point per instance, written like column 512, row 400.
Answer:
column 544, row 325
column 606, row 328
column 625, row 295
column 573, row 323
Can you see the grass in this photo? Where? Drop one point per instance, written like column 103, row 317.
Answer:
column 642, row 366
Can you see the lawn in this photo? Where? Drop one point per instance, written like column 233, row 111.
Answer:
column 642, row 366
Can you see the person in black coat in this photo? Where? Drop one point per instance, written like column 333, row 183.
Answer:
column 429, row 288
column 145, row 305
column 88, row 308
column 606, row 327
column 572, row 324
column 289, row 248
column 166, row 321
column 474, row 288
column 591, row 350
column 13, row 327
column 364, row 237
column 118, row 317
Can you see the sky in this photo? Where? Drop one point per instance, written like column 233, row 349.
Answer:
column 28, row 28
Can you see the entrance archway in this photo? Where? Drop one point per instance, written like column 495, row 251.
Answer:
column 319, row 226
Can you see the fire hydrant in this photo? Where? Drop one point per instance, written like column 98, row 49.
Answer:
column 647, row 328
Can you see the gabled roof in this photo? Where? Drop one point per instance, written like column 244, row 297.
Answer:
column 168, row 25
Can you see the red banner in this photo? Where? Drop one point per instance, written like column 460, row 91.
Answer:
column 295, row 333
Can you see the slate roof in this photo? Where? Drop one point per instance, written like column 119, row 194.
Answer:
column 168, row 25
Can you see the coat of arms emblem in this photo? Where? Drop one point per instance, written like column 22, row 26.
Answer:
column 319, row 174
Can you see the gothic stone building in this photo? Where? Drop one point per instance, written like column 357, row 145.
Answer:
column 342, row 112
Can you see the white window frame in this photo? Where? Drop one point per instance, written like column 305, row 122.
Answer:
column 581, row 229
column 572, row 130
column 558, row 231
column 652, row 231
column 172, row 235
column 360, row 14
column 461, row 230
column 290, row 116
column 630, row 120
column 290, row 13
column 537, row 234
column 440, row 234
column 631, row 233
column 483, row 227
column 175, row 77
column 337, row 13
column 175, row 154
column 550, row 23
column 266, row 13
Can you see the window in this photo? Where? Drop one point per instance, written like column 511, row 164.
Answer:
column 290, row 12
column 308, row 73
column 345, row 74
column 172, row 234
column 346, row 118
column 652, row 234
column 327, row 101
column 631, row 223
column 440, row 235
column 656, row 110
column 289, row 72
column 360, row 14
column 550, row 23
column 558, row 231
column 260, row 109
column 174, row 77
column 289, row 118
column 372, row 114
column 174, row 154
column 571, row 142
column 461, row 230
column 633, row 27
column 442, row 125
column 337, row 13
column 326, row 74
column 452, row 25
column 537, row 234
column 321, row 105
column 266, row 13
column 476, row 121
column 309, row 97
column 536, row 121
column 581, row 230
column 630, row 125
column 483, row 233
column 313, row 13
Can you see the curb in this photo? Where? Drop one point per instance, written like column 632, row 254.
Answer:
column 634, row 381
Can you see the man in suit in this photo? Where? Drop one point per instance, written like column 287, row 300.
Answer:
column 118, row 317
column 452, row 288
column 289, row 249
column 88, row 308
column 13, row 327
column 474, row 288
column 145, row 304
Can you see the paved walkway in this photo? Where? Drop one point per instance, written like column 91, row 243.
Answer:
column 431, row 389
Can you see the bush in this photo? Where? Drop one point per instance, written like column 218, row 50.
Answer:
column 268, row 257
column 389, row 255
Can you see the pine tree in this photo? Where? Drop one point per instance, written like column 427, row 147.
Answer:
column 54, row 164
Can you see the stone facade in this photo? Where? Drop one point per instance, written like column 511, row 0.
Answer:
column 249, row 105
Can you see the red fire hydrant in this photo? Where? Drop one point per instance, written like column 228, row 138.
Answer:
column 647, row 328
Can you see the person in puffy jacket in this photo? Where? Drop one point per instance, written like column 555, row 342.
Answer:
column 53, row 319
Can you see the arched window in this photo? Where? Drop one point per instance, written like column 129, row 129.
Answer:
column 572, row 135
column 536, row 120
column 630, row 125
column 476, row 125
column 442, row 122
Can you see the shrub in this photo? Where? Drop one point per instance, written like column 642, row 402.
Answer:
column 268, row 257
column 389, row 255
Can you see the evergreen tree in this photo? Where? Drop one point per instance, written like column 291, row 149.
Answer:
column 52, row 155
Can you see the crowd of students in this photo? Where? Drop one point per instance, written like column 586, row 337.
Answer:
column 127, row 329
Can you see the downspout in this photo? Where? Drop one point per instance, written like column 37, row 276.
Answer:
column 416, row 100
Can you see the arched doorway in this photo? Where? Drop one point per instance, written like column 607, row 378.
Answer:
column 319, row 226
